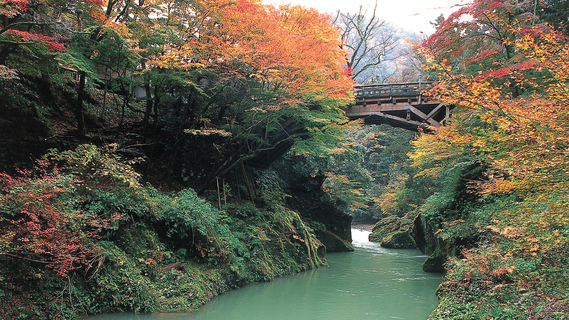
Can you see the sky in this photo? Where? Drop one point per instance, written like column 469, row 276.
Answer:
column 412, row 15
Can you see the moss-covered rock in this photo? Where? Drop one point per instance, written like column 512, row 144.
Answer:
column 399, row 240
column 435, row 262
column 331, row 225
column 384, row 227
column 332, row 242
column 394, row 232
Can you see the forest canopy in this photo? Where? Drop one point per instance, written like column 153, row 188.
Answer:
column 137, row 139
column 503, row 158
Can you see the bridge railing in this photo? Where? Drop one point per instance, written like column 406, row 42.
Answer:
column 392, row 89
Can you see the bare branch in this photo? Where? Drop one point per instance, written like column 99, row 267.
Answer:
column 367, row 38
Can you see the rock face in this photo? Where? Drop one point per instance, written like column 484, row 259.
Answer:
column 331, row 225
column 435, row 262
column 439, row 244
column 436, row 247
column 332, row 241
column 395, row 232
column 412, row 231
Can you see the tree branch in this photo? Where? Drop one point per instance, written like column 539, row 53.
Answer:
column 22, row 23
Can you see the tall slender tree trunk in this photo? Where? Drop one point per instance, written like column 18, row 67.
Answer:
column 79, row 107
column 148, row 110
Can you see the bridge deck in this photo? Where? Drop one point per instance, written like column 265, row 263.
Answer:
column 399, row 105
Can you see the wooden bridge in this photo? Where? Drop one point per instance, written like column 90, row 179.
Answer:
column 399, row 105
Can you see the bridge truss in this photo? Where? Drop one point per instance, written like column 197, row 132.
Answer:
column 399, row 105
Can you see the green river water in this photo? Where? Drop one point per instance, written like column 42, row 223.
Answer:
column 370, row 283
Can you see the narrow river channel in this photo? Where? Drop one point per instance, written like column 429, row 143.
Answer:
column 370, row 283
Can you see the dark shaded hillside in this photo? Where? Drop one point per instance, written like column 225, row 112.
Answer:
column 148, row 242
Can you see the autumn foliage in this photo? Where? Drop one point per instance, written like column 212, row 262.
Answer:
column 12, row 32
column 507, row 75
column 221, row 86
column 522, row 138
column 289, row 49
column 42, row 223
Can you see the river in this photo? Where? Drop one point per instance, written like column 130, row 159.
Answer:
column 370, row 283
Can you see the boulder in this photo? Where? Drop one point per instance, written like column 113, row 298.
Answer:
column 435, row 262
column 399, row 240
column 395, row 232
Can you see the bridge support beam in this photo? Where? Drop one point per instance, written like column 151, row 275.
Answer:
column 395, row 119
column 424, row 116
column 436, row 110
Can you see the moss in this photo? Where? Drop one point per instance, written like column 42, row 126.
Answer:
column 394, row 232
column 399, row 240
column 167, row 252
column 499, row 302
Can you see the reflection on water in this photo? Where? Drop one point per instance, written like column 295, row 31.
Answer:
column 370, row 283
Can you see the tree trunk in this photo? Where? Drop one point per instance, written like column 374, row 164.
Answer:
column 148, row 109
column 79, row 107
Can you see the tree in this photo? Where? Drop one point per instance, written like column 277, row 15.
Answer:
column 523, row 134
column 368, row 41
column 263, row 75
column 20, row 33
column 554, row 12
column 383, row 156
column 479, row 37
column 260, row 73
column 93, row 25
column 520, row 139
column 41, row 222
column 405, row 63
